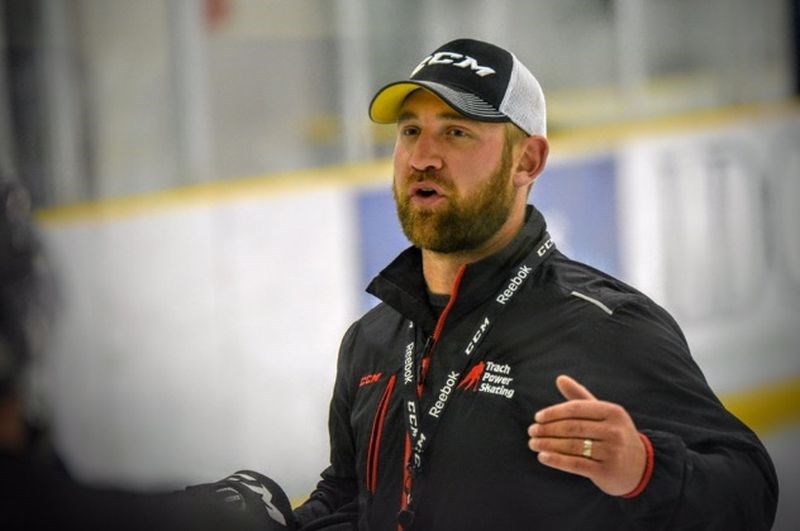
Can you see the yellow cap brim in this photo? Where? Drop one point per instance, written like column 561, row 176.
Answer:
column 385, row 106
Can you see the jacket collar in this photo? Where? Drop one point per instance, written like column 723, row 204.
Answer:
column 401, row 284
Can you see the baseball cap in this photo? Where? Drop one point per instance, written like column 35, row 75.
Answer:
column 480, row 80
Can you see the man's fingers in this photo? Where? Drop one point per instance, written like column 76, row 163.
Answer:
column 572, row 390
column 568, row 447
column 574, row 409
column 569, row 463
column 569, row 428
column 578, row 405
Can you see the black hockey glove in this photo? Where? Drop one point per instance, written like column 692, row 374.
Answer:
column 254, row 494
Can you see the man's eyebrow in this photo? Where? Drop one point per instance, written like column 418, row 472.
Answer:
column 406, row 116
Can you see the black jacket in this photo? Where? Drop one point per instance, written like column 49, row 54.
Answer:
column 710, row 471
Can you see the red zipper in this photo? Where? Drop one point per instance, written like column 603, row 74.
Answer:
column 373, row 450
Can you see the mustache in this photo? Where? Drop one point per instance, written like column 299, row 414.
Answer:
column 433, row 176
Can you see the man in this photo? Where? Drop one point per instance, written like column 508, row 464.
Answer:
column 501, row 385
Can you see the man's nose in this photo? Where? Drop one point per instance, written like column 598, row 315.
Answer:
column 426, row 154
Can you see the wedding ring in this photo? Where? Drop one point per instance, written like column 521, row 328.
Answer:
column 587, row 448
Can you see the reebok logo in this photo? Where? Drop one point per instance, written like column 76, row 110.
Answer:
column 514, row 284
column 454, row 59
column 408, row 365
column 444, row 394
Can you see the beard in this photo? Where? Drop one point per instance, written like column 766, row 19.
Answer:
column 465, row 223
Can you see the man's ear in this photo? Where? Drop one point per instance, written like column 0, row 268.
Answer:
column 531, row 160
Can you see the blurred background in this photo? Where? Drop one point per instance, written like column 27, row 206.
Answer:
column 213, row 199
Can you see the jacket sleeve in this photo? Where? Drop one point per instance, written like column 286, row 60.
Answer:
column 710, row 470
column 337, row 490
column 719, row 487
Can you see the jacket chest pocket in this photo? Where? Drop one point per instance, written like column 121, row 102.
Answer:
column 369, row 421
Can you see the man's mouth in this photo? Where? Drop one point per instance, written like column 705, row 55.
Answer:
column 426, row 190
column 426, row 194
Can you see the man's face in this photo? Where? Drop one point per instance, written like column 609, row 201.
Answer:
column 452, row 182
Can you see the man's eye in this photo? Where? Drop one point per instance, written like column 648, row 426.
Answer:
column 457, row 133
column 409, row 131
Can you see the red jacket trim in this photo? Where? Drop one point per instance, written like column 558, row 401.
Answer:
column 648, row 469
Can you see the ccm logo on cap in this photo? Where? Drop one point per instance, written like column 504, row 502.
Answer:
column 455, row 59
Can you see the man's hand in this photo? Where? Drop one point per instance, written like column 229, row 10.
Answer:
column 590, row 438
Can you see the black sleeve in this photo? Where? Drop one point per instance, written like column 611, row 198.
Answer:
column 710, row 470
column 338, row 488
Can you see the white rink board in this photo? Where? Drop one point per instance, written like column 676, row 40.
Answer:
column 708, row 225
column 202, row 340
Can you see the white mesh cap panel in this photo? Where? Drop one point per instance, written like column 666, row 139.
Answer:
column 524, row 101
